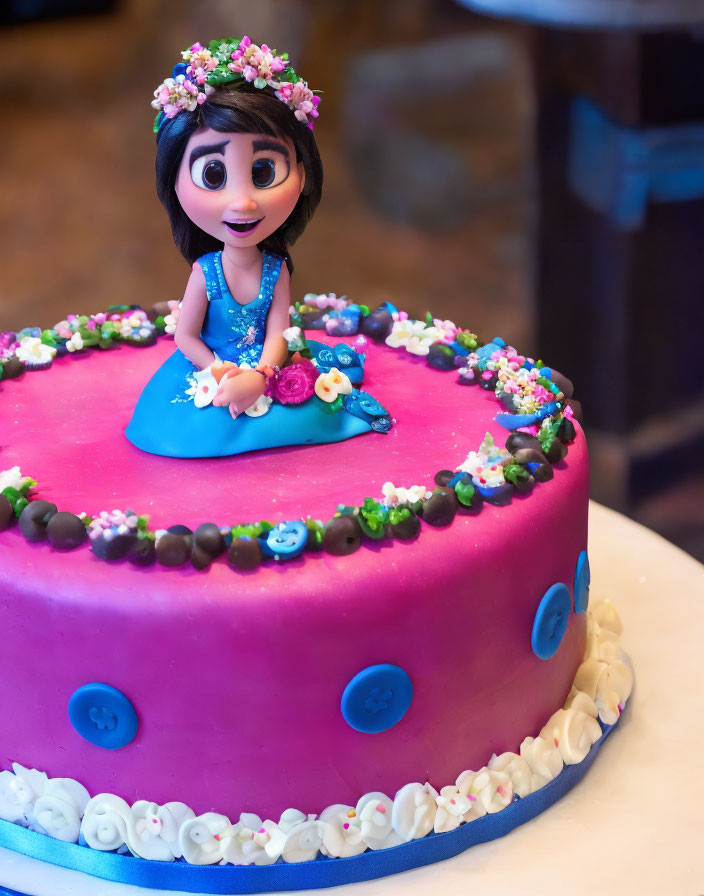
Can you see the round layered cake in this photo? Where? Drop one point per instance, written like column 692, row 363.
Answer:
column 375, row 656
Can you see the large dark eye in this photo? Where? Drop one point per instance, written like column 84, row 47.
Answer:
column 209, row 174
column 263, row 172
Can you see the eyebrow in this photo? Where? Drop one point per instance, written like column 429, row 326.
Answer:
column 274, row 145
column 207, row 150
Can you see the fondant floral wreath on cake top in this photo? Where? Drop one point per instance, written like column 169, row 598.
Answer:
column 233, row 61
column 535, row 410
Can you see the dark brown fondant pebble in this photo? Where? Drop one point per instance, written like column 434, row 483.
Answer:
column 523, row 486
column 543, row 473
column 34, row 519
column 442, row 477
column 441, row 507
column 556, row 451
column 114, row 548
column 406, row 529
column 208, row 538
column 13, row 368
column 530, row 456
column 179, row 530
column 489, row 382
column 377, row 325
column 200, row 559
column 441, row 356
column 7, row 515
column 343, row 535
column 518, row 440
column 142, row 552
column 313, row 320
column 566, row 432
column 65, row 531
column 563, row 384
column 173, row 549
column 244, row 554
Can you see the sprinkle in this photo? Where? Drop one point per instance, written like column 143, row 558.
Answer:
column 500, row 789
column 346, row 825
column 351, row 813
column 381, row 809
column 556, row 741
column 219, row 836
column 155, row 821
column 261, row 831
column 452, row 801
column 472, row 798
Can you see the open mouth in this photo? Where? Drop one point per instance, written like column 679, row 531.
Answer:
column 243, row 227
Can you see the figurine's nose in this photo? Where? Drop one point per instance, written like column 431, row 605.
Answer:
column 242, row 202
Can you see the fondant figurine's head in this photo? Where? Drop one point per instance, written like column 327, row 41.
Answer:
column 237, row 163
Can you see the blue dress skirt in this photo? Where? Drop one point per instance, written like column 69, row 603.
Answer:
column 167, row 422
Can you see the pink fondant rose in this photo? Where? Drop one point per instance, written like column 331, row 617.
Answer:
column 295, row 383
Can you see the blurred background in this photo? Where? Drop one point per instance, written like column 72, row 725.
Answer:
column 528, row 168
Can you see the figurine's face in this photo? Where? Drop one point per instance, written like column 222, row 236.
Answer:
column 239, row 188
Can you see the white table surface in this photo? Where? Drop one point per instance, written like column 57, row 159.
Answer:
column 635, row 824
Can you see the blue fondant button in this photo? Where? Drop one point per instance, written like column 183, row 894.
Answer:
column 103, row 716
column 582, row 579
column 551, row 621
column 377, row 698
column 285, row 540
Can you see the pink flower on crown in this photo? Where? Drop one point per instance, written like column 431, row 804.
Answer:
column 201, row 63
column 301, row 99
column 255, row 63
column 178, row 94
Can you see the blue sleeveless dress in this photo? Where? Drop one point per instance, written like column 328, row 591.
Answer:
column 167, row 422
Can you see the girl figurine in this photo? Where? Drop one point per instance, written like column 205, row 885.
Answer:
column 239, row 174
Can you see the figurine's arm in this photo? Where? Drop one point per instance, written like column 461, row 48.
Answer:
column 240, row 392
column 190, row 322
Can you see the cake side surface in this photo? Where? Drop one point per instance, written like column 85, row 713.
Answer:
column 236, row 678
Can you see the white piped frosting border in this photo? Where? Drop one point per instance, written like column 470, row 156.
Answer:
column 62, row 808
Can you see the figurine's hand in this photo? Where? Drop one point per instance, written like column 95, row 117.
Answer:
column 240, row 391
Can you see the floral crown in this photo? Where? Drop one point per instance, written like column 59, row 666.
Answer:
column 236, row 62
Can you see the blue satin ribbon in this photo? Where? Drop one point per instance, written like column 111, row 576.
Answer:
column 227, row 880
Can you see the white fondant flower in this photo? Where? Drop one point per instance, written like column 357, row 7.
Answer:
column 582, row 702
column 107, row 822
column 303, row 841
column 12, row 478
column 516, row 768
column 331, row 384
column 375, row 814
column 59, row 809
column 260, row 406
column 413, row 335
column 32, row 351
column 156, row 829
column 199, row 838
column 608, row 684
column 414, row 811
column 252, row 841
column 452, row 806
column 20, row 788
column 492, row 788
column 395, row 494
column 205, row 387
column 75, row 343
column 606, row 617
column 342, row 836
column 544, row 759
column 573, row 733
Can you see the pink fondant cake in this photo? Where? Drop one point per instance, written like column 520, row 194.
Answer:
column 248, row 687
